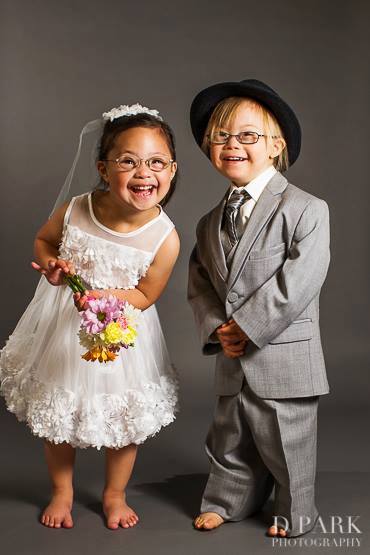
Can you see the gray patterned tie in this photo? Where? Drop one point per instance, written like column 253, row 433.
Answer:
column 235, row 201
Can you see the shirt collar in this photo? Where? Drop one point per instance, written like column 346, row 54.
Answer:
column 256, row 186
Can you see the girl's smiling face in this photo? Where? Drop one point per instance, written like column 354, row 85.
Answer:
column 140, row 188
column 240, row 163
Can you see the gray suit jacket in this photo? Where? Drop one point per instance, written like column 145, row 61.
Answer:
column 272, row 292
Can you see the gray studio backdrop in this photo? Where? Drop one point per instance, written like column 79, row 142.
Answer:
column 64, row 63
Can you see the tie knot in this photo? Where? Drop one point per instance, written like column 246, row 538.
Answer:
column 236, row 199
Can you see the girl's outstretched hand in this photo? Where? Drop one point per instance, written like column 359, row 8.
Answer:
column 55, row 271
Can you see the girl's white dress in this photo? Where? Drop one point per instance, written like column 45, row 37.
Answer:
column 43, row 378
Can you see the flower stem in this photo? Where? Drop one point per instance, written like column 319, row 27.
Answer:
column 74, row 281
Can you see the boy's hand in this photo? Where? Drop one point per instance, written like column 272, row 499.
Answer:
column 56, row 270
column 232, row 338
column 230, row 332
column 236, row 350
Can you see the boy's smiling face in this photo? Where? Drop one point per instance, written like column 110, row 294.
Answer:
column 240, row 163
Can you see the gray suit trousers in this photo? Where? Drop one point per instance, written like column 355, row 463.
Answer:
column 254, row 444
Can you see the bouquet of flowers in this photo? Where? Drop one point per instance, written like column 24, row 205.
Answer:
column 107, row 324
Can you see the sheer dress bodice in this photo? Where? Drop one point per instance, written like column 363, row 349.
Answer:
column 106, row 258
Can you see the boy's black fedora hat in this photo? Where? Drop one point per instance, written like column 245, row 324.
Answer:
column 206, row 101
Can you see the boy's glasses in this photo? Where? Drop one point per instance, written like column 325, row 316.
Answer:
column 128, row 162
column 245, row 137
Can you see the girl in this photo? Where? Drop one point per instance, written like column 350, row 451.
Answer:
column 119, row 239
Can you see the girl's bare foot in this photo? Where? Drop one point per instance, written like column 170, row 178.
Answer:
column 275, row 531
column 117, row 512
column 208, row 521
column 58, row 512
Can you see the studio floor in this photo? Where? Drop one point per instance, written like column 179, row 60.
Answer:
column 170, row 473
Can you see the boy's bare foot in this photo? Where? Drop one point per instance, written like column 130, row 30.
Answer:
column 58, row 512
column 117, row 512
column 275, row 531
column 208, row 521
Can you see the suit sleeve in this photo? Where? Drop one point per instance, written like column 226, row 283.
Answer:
column 283, row 297
column 209, row 312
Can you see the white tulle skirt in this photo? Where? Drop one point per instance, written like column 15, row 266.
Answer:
column 62, row 397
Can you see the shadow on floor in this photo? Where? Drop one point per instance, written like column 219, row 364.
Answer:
column 185, row 491
column 38, row 495
column 182, row 492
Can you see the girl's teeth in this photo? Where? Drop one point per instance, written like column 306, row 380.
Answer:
column 144, row 191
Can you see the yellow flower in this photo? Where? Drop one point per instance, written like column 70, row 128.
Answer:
column 113, row 333
column 129, row 335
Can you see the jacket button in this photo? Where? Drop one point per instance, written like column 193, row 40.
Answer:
column 232, row 296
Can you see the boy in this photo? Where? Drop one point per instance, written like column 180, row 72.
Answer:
column 255, row 276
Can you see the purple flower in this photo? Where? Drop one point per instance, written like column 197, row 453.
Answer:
column 100, row 312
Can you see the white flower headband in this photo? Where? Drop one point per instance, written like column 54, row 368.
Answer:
column 125, row 110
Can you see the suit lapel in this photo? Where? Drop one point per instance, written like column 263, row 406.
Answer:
column 261, row 214
column 214, row 237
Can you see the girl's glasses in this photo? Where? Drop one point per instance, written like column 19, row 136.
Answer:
column 128, row 162
column 245, row 137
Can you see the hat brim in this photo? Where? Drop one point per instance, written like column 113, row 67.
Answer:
column 206, row 101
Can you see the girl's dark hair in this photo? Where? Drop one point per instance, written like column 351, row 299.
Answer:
column 115, row 127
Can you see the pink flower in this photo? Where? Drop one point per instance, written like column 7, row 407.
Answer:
column 100, row 312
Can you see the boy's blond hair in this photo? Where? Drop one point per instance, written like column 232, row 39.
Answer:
column 224, row 113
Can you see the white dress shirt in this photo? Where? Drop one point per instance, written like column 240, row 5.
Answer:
column 254, row 188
